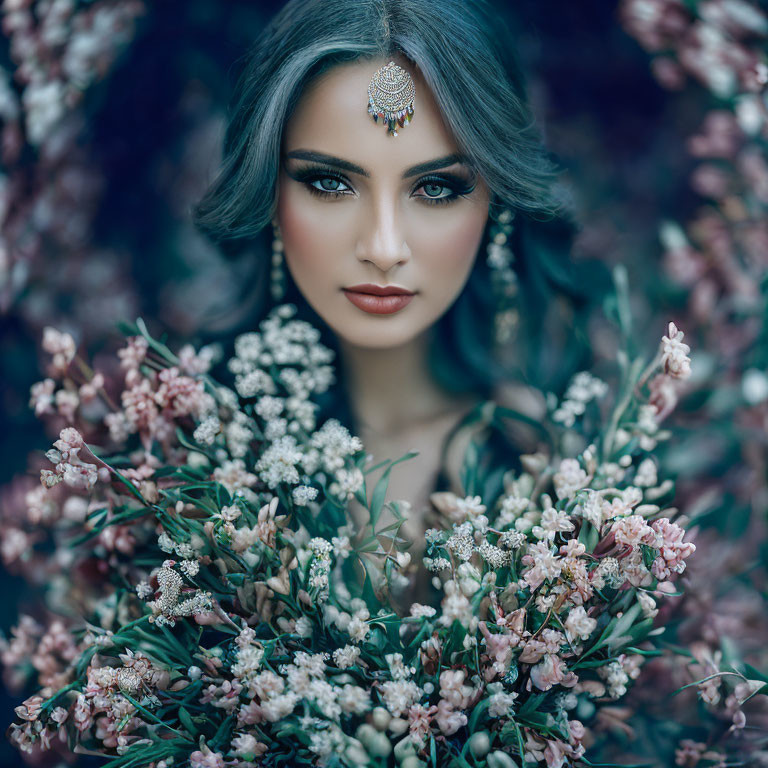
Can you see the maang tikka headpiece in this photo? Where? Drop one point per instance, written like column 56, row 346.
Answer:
column 390, row 96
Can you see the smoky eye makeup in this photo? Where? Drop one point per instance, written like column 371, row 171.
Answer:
column 312, row 177
column 438, row 188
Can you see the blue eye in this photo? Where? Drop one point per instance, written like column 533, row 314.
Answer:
column 433, row 190
column 452, row 187
column 328, row 184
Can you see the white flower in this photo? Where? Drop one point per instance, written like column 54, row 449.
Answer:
column 455, row 606
column 346, row 656
column 358, row 629
column 279, row 707
column 553, row 521
column 578, row 624
column 646, row 476
column 615, row 677
column 471, row 506
column 278, row 463
column 591, row 509
column 500, row 702
column 333, row 444
column 303, row 494
column 230, row 514
column 205, row 432
column 244, row 744
column 304, row 627
column 354, row 700
column 569, row 478
column 583, row 388
column 399, row 695
column 648, row 605
column 674, row 355
column 348, row 482
column 269, row 407
column 342, row 546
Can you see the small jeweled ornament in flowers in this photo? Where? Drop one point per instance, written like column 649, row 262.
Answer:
column 129, row 681
column 390, row 96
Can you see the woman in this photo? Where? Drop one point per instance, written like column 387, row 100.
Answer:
column 386, row 229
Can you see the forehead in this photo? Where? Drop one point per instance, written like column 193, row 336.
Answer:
column 332, row 116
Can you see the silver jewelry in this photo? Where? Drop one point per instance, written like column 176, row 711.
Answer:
column 500, row 259
column 276, row 273
column 390, row 96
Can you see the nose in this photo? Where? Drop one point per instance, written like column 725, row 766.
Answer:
column 382, row 242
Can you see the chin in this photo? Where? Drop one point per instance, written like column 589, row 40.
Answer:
column 378, row 333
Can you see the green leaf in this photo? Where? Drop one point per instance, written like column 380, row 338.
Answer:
column 380, row 491
column 469, row 468
column 588, row 536
column 161, row 349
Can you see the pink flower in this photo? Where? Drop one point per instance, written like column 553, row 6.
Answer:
column 30, row 709
column 674, row 354
column 452, row 688
column 41, row 396
column 551, row 670
column 672, row 549
column 448, row 719
column 206, row 759
column 420, row 719
column 632, row 531
column 663, row 395
column 69, row 466
column 139, row 404
column 82, row 713
column 543, row 564
column 179, row 395
column 61, row 346
column 499, row 648
column 134, row 353
column 90, row 390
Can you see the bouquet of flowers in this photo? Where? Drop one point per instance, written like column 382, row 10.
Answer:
column 219, row 607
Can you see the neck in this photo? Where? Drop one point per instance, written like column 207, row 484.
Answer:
column 393, row 389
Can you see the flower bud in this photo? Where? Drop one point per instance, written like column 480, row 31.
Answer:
column 499, row 759
column 479, row 744
column 381, row 718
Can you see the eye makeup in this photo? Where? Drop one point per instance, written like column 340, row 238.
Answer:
column 457, row 184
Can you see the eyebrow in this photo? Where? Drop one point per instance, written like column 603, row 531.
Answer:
column 345, row 165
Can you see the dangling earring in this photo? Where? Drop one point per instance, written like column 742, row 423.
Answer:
column 500, row 260
column 277, row 275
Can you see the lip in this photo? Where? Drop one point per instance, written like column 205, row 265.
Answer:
column 379, row 290
column 378, row 299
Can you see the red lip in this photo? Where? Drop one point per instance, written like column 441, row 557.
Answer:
column 379, row 290
column 385, row 301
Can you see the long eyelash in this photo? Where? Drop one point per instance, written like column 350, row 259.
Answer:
column 307, row 175
column 459, row 187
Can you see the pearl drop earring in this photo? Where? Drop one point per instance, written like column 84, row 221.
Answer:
column 277, row 274
column 500, row 259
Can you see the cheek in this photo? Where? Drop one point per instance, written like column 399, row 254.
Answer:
column 449, row 248
column 312, row 238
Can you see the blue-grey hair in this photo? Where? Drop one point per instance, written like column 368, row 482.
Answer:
column 463, row 57
column 463, row 49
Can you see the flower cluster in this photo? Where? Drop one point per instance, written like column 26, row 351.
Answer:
column 715, row 262
column 246, row 628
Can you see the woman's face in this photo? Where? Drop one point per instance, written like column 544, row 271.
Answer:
column 358, row 207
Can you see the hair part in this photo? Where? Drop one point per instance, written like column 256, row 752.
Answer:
column 457, row 47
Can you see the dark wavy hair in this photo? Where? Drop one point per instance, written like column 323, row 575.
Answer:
column 464, row 51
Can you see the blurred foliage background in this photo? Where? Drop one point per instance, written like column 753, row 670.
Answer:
column 112, row 114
